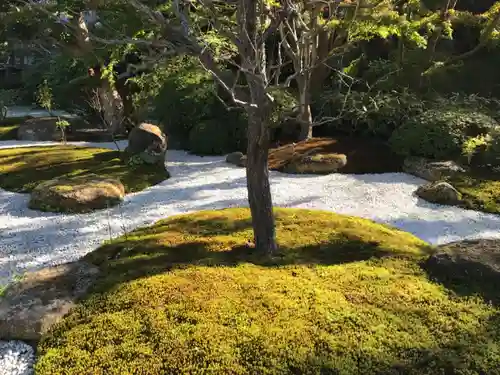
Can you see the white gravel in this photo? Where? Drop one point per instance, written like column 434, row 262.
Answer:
column 16, row 358
column 30, row 240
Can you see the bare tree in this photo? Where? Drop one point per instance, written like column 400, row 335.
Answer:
column 249, row 35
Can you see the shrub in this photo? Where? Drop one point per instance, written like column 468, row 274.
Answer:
column 368, row 114
column 492, row 150
column 439, row 133
column 209, row 137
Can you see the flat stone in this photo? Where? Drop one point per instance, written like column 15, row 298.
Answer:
column 31, row 306
column 431, row 170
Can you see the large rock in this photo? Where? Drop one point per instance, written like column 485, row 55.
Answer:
column 439, row 192
column 236, row 158
column 147, row 143
column 30, row 307
column 39, row 129
column 78, row 194
column 472, row 266
column 431, row 170
column 316, row 164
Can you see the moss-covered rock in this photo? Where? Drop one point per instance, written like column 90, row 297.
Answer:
column 77, row 194
column 342, row 295
column 440, row 192
column 316, row 164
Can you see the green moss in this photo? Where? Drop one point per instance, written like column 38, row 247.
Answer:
column 480, row 190
column 343, row 296
column 8, row 128
column 21, row 169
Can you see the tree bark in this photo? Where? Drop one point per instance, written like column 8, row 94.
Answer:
column 259, row 189
column 257, row 170
column 305, row 116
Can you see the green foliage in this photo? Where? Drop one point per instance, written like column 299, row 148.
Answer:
column 375, row 114
column 62, row 124
column 344, row 296
column 492, row 151
column 210, row 137
column 67, row 79
column 473, row 145
column 184, row 98
column 44, row 96
column 285, row 103
column 440, row 133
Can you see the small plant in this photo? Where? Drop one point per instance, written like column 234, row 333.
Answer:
column 44, row 96
column 63, row 124
column 472, row 145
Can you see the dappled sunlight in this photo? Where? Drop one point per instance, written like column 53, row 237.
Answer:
column 341, row 292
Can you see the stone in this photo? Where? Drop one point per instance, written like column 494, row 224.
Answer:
column 236, row 158
column 471, row 264
column 431, row 170
column 439, row 192
column 31, row 306
column 39, row 129
column 316, row 164
column 77, row 194
column 149, row 142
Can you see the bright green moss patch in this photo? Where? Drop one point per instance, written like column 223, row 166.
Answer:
column 8, row 128
column 21, row 169
column 343, row 296
column 480, row 190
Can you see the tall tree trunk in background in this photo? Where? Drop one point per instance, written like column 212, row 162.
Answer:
column 305, row 115
column 112, row 107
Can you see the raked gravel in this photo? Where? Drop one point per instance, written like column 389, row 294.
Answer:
column 31, row 240
column 16, row 358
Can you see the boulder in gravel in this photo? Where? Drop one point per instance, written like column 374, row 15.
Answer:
column 473, row 266
column 439, row 192
column 236, row 158
column 77, row 194
column 316, row 164
column 431, row 170
column 31, row 306
column 147, row 143
column 39, row 129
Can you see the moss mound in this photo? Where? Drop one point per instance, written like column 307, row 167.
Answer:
column 343, row 296
column 480, row 189
column 23, row 168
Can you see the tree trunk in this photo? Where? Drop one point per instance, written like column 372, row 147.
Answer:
column 305, row 116
column 112, row 107
column 259, row 189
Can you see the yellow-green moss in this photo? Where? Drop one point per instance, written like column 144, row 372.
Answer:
column 343, row 296
column 480, row 190
column 9, row 126
column 21, row 169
